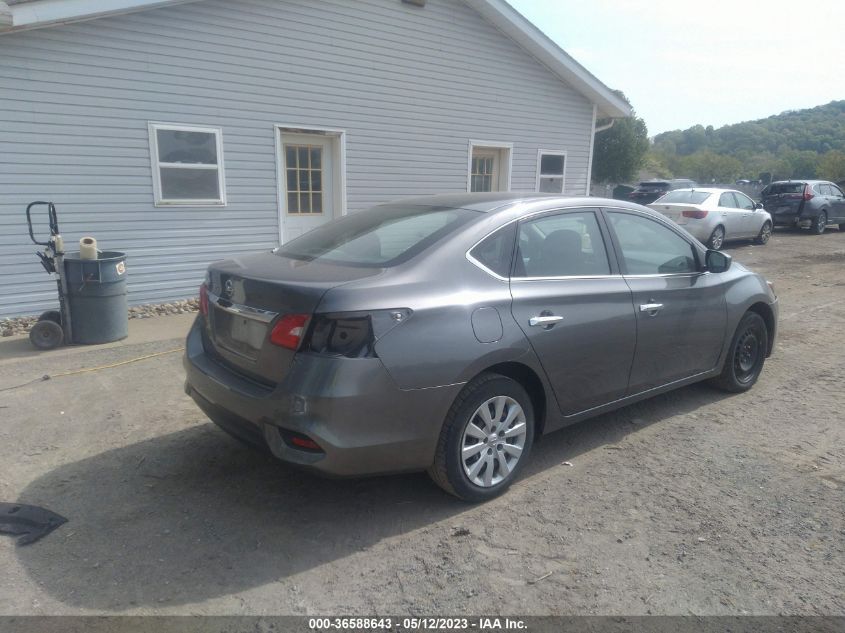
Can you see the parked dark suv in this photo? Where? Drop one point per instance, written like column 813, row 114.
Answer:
column 650, row 190
column 809, row 204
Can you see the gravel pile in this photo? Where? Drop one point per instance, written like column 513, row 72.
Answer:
column 21, row 325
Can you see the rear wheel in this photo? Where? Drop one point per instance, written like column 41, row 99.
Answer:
column 485, row 440
column 46, row 334
column 819, row 224
column 765, row 233
column 745, row 356
column 717, row 238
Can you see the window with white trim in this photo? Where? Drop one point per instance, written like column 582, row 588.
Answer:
column 489, row 167
column 187, row 163
column 551, row 170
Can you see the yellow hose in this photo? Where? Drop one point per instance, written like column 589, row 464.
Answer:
column 90, row 369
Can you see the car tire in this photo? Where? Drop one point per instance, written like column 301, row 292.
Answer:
column 46, row 334
column 746, row 355
column 716, row 239
column 470, row 463
column 765, row 233
column 819, row 224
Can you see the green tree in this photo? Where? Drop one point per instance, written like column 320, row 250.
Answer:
column 620, row 151
column 832, row 166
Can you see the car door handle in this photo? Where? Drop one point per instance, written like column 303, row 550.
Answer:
column 651, row 308
column 544, row 321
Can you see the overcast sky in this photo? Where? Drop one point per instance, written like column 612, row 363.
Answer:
column 715, row 62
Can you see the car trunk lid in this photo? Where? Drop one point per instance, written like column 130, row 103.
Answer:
column 675, row 211
column 249, row 295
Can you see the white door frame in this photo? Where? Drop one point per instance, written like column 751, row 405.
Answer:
column 339, row 180
column 505, row 168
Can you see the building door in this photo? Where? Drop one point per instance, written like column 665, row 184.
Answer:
column 308, row 191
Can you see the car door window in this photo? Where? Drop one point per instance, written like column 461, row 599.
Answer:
column 649, row 248
column 821, row 190
column 744, row 201
column 561, row 245
column 728, row 201
column 835, row 191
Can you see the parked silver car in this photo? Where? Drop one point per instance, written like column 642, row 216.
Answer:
column 446, row 333
column 715, row 216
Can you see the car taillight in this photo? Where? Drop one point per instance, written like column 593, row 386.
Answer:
column 289, row 330
column 808, row 193
column 695, row 213
column 204, row 299
column 352, row 334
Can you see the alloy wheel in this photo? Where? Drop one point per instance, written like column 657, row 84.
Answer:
column 717, row 238
column 493, row 441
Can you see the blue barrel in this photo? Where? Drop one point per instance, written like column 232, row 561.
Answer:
column 96, row 296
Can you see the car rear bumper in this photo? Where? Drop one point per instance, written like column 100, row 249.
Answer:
column 351, row 408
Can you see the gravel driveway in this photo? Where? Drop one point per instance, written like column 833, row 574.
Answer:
column 693, row 502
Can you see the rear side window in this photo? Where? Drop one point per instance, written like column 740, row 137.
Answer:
column 378, row 238
column 685, row 197
column 561, row 245
column 649, row 248
column 496, row 251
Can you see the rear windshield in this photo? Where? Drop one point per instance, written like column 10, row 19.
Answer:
column 685, row 197
column 784, row 187
column 378, row 238
column 654, row 185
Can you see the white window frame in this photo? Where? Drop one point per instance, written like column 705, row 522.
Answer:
column 160, row 201
column 505, row 165
column 550, row 152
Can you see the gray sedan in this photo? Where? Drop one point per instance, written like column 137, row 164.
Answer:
column 447, row 333
column 715, row 216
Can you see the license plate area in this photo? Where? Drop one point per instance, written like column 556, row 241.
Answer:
column 238, row 334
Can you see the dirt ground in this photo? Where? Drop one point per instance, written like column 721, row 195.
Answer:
column 693, row 502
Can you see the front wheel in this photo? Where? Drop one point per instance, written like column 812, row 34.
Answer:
column 765, row 233
column 745, row 356
column 717, row 238
column 485, row 440
column 819, row 224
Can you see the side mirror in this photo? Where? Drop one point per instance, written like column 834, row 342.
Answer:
column 759, row 205
column 717, row 262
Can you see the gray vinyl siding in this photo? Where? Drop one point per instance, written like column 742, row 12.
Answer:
column 410, row 86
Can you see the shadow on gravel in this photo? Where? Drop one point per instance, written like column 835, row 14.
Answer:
column 192, row 515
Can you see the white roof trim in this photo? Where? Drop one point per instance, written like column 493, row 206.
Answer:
column 31, row 15
column 539, row 45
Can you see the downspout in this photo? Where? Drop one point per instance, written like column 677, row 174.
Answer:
column 595, row 129
column 604, row 127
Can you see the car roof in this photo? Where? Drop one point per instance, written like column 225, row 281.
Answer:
column 505, row 201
